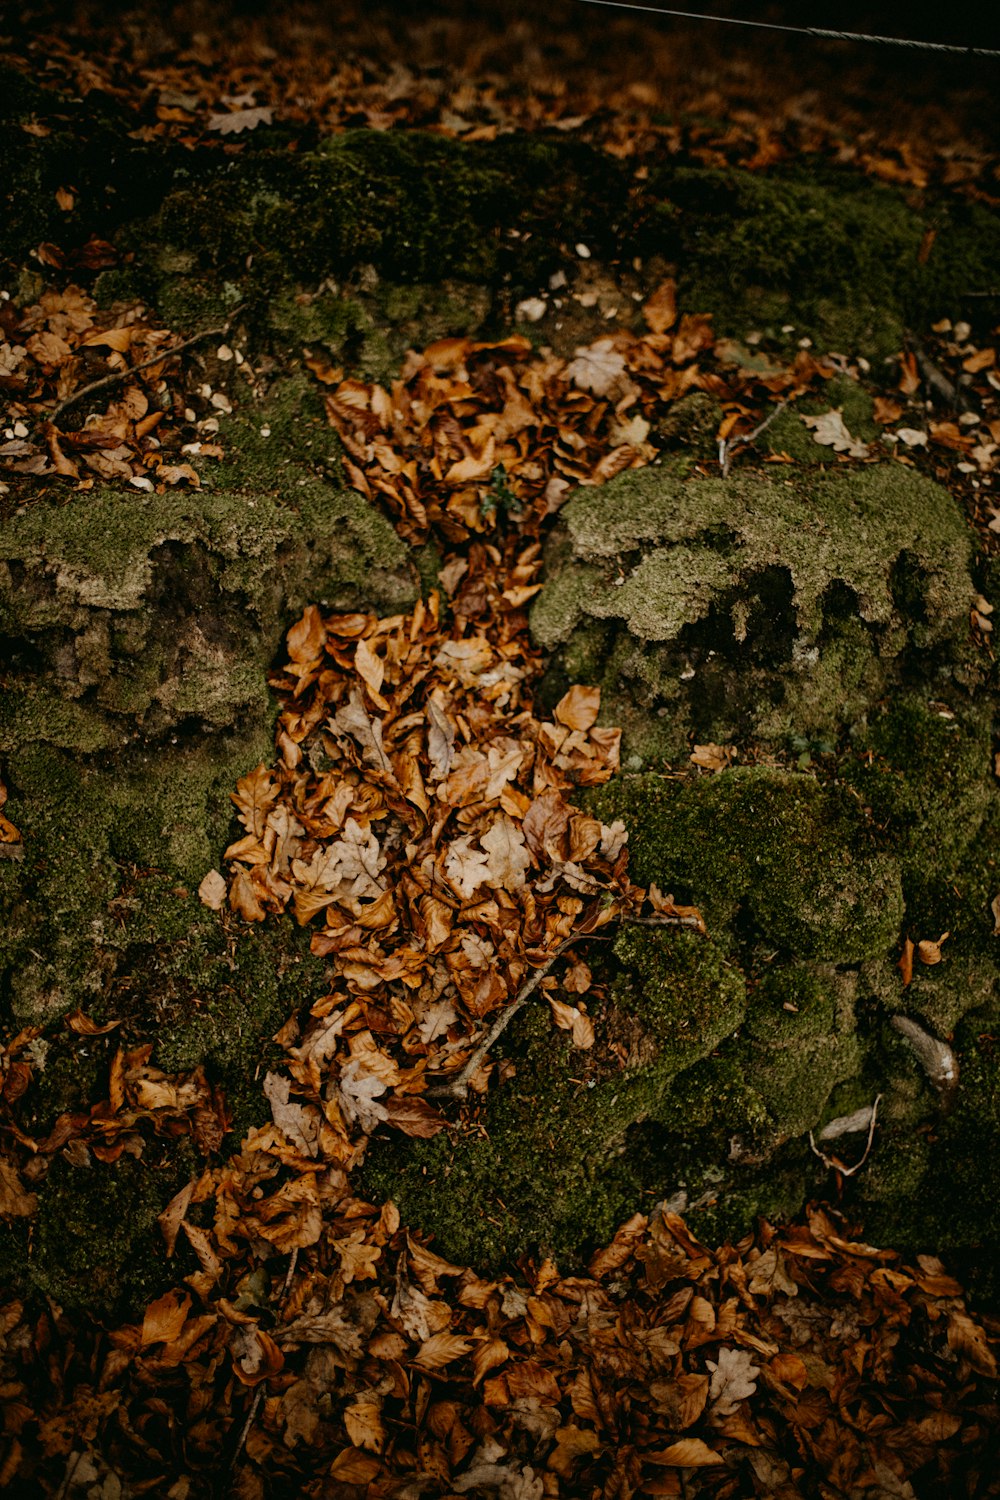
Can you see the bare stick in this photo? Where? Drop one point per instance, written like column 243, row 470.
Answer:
column 728, row 446
column 258, row 1397
column 458, row 1087
column 838, row 1166
column 258, row 1394
column 666, row 919
column 952, row 395
column 119, row 375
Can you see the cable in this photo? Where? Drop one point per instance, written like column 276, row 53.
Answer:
column 820, row 32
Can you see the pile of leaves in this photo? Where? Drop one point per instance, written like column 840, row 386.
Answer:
column 798, row 1362
column 505, row 68
column 419, row 816
column 97, row 396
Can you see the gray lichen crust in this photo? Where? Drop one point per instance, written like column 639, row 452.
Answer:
column 753, row 606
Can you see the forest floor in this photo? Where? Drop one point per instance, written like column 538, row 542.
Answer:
column 321, row 1346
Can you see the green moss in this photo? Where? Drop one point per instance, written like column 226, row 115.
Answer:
column 96, row 1243
column 682, row 992
column 753, row 608
column 828, row 251
column 934, row 1188
column 767, row 847
column 788, row 434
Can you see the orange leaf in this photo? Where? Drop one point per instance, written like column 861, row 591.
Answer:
column 578, row 709
column 905, row 965
column 164, row 1318
column 660, row 310
column 689, row 1453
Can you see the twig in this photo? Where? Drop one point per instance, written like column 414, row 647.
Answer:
column 458, row 1087
column 70, row 1474
column 258, row 1397
column 951, row 394
column 834, row 1162
column 258, row 1394
column 728, row 446
column 118, row 375
column 666, row 919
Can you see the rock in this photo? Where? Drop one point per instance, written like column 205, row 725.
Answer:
column 753, row 608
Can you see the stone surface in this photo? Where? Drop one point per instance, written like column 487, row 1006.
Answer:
column 754, row 607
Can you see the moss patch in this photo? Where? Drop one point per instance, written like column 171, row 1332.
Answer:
column 749, row 607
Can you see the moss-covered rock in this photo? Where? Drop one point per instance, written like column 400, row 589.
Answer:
column 568, row 1142
column 752, row 607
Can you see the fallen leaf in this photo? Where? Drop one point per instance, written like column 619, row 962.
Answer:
column 570, row 1018
column 238, row 120
column 508, row 859
column 929, row 952
column 212, row 890
column 734, row 1379
column 164, row 1318
column 578, row 709
column 689, row 1453
column 441, row 1349
column 660, row 310
column 905, row 964
column 597, row 367
column 711, row 757
column 15, row 1202
column 829, row 430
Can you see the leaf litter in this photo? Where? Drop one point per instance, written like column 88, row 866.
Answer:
column 419, row 818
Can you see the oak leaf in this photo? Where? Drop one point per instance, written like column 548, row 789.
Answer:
column 829, row 430
column 236, row 121
column 734, row 1379
column 596, row 367
column 508, row 860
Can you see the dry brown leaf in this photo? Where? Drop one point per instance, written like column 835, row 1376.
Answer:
column 930, row 952
column 829, row 430
column 164, row 1318
column 711, row 757
column 689, row 1453
column 576, row 1022
column 236, row 121
column 15, row 1201
column 905, row 964
column 660, row 310
column 578, row 708
column 442, row 1349
column 212, row 891
column 734, row 1379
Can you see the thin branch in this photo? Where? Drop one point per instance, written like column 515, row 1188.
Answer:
column 834, row 1162
column 258, row 1397
column 728, row 446
column 258, row 1394
column 458, row 1087
column 666, row 919
column 119, row 375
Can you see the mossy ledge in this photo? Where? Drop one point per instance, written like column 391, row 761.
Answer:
column 755, row 607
